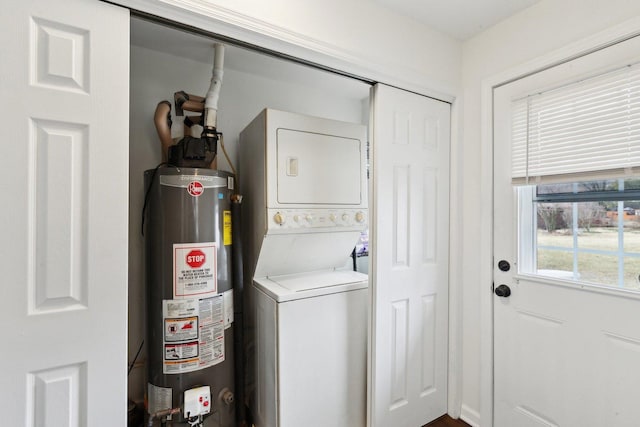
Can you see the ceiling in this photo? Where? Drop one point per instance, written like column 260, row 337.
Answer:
column 460, row 19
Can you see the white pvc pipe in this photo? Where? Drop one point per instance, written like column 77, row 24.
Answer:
column 211, row 102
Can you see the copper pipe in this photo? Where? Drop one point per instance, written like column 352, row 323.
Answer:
column 194, row 106
column 196, row 98
column 161, row 414
column 187, row 101
column 162, row 120
column 184, row 96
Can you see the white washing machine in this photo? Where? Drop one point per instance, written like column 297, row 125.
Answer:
column 311, row 349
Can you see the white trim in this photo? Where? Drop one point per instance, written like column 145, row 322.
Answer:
column 486, row 256
column 454, row 403
column 247, row 29
column 573, row 50
column 470, row 416
column 577, row 286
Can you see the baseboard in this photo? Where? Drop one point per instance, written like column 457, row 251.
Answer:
column 470, row 416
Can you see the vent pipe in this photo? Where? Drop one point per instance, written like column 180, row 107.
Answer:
column 211, row 102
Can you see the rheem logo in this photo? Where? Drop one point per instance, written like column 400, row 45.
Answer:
column 195, row 188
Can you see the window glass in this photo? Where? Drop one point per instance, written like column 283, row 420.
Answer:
column 597, row 268
column 632, row 273
column 577, row 187
column 584, row 231
column 600, row 186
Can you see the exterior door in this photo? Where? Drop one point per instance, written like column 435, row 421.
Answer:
column 409, row 258
column 566, row 342
column 65, row 74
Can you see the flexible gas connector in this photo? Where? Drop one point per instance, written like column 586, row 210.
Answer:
column 160, row 414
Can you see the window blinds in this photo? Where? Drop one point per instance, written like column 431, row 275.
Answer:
column 585, row 130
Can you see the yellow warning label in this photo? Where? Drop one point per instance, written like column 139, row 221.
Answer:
column 227, row 228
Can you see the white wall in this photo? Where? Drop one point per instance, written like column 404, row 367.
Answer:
column 155, row 76
column 547, row 26
column 366, row 29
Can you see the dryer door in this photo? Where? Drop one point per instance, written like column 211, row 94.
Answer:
column 328, row 165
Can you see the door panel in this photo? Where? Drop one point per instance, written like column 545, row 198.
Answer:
column 565, row 353
column 410, row 230
column 65, row 188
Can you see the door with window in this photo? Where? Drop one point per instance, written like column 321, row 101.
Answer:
column 567, row 244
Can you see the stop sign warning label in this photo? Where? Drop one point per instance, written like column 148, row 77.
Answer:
column 195, row 258
column 194, row 270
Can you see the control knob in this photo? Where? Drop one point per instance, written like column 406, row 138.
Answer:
column 360, row 216
column 278, row 218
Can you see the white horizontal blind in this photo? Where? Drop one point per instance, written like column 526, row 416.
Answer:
column 581, row 131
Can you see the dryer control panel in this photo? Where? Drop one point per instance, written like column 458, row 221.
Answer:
column 292, row 220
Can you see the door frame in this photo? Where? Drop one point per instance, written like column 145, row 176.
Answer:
column 264, row 35
column 593, row 43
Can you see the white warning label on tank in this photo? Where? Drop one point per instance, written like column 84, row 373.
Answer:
column 181, row 351
column 211, row 331
column 228, row 308
column 193, row 334
column 181, row 345
column 181, row 329
column 194, row 270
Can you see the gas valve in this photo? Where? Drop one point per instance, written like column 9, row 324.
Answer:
column 197, row 402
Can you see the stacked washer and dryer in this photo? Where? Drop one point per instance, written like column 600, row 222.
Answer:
column 304, row 183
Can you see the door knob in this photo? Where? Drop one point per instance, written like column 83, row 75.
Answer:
column 503, row 291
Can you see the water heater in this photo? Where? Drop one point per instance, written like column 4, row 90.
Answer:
column 189, row 295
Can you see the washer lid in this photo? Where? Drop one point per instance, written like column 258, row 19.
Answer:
column 325, row 279
column 308, row 285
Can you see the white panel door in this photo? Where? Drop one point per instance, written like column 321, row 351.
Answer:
column 566, row 353
column 64, row 186
column 409, row 235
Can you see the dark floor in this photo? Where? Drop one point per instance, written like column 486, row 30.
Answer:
column 447, row 421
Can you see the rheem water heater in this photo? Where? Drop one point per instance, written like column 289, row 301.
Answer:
column 189, row 295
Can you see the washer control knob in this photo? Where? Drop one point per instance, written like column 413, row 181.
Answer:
column 308, row 217
column 278, row 218
column 360, row 216
column 345, row 217
column 296, row 218
column 332, row 217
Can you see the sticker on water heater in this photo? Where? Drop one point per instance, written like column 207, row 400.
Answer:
column 180, row 329
column 212, row 331
column 194, row 334
column 181, row 351
column 194, row 270
column 226, row 228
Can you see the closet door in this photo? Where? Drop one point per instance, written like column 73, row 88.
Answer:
column 64, row 185
column 409, row 272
